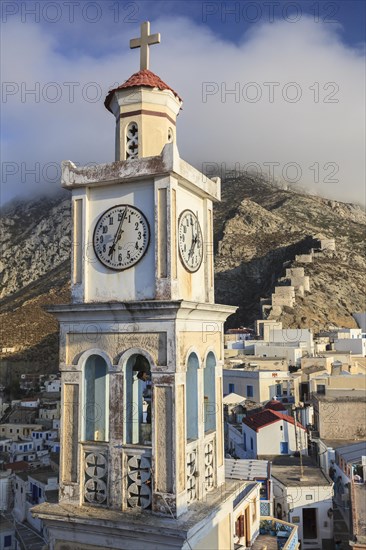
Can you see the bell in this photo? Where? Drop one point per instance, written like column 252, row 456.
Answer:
column 141, row 364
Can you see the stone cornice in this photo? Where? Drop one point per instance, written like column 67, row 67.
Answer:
column 127, row 171
column 155, row 310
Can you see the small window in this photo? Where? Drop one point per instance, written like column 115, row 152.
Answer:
column 250, row 391
column 245, row 441
column 7, row 541
column 231, row 388
column 251, row 444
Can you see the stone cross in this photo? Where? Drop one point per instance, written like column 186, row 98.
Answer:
column 146, row 39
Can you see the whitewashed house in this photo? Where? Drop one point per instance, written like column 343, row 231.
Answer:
column 356, row 346
column 30, row 403
column 7, row 535
column 271, row 433
column 259, row 385
column 52, row 386
column 5, row 490
column 21, row 490
column 305, row 498
column 22, row 449
column 44, row 435
column 33, row 488
column 347, row 467
column 254, row 470
column 50, row 410
column 292, row 336
column 5, row 444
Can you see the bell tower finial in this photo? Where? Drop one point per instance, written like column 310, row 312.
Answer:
column 145, row 107
column 144, row 42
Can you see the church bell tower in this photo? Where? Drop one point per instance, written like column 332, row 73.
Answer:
column 141, row 344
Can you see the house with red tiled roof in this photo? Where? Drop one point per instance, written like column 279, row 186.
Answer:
column 271, row 433
column 275, row 405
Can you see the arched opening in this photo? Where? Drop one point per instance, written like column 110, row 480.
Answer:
column 95, row 399
column 137, row 396
column 192, row 396
column 209, row 393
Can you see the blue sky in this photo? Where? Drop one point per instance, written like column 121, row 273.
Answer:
column 91, row 27
column 217, row 46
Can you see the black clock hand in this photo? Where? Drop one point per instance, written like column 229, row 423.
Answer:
column 118, row 234
column 195, row 239
column 192, row 246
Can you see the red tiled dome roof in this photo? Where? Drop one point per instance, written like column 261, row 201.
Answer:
column 142, row 78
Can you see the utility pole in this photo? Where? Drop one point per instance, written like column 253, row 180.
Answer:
column 297, row 444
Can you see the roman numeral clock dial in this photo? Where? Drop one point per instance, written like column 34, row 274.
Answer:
column 190, row 241
column 121, row 237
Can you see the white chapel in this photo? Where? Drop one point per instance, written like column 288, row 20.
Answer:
column 141, row 346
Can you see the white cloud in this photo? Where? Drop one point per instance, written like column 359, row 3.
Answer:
column 327, row 136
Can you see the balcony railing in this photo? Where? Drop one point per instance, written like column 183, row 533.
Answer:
column 285, row 533
column 95, row 473
column 138, row 478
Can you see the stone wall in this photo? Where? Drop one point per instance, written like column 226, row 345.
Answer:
column 295, row 282
column 340, row 418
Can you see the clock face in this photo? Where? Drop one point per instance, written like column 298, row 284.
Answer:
column 121, row 237
column 190, row 241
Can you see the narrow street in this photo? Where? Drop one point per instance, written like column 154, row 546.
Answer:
column 27, row 537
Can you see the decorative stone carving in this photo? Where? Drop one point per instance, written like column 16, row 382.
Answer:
column 132, row 141
column 139, row 482
column 71, row 377
column 95, row 486
column 209, row 466
column 191, row 476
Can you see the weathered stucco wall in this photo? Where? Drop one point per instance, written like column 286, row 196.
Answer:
column 340, row 419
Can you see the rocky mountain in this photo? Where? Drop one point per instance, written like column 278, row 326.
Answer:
column 34, row 272
column 258, row 228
